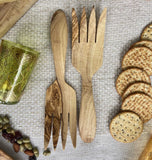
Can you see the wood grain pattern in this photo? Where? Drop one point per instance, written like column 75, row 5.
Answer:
column 75, row 27
column 4, row 156
column 10, row 13
column 59, row 38
column 83, row 27
column 6, row 1
column 147, row 152
column 87, row 59
column 53, row 110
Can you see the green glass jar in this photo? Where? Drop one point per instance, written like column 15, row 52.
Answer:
column 16, row 65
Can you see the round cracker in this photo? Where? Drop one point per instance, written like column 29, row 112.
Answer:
column 126, row 127
column 139, row 103
column 138, row 88
column 145, row 43
column 140, row 57
column 147, row 33
column 130, row 76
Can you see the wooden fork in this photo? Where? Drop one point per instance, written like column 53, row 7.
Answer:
column 87, row 57
column 53, row 110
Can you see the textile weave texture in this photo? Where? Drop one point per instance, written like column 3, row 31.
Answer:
column 125, row 21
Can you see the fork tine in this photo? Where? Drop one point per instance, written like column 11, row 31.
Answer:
column 75, row 27
column 73, row 119
column 92, row 26
column 101, row 27
column 53, row 110
column 83, row 27
column 48, row 122
column 56, row 130
column 64, row 127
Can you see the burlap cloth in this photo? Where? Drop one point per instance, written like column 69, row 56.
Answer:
column 125, row 21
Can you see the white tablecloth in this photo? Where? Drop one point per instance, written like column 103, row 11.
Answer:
column 125, row 21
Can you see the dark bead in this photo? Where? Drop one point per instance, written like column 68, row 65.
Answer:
column 4, row 134
column 8, row 136
column 32, row 158
column 18, row 135
column 11, row 138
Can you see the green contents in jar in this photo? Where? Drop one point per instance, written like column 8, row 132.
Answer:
column 16, row 65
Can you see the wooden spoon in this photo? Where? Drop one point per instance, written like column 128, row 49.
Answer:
column 59, row 38
column 87, row 56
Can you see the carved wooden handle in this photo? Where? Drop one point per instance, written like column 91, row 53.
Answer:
column 10, row 13
column 4, row 156
column 59, row 38
column 6, row 1
column 147, row 153
column 87, row 120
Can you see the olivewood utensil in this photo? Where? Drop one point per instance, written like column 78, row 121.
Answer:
column 6, row 1
column 147, row 152
column 10, row 13
column 4, row 156
column 59, row 38
column 87, row 57
column 53, row 110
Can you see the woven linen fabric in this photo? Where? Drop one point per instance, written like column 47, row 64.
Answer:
column 125, row 21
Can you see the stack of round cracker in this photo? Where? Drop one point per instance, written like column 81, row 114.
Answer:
column 134, row 87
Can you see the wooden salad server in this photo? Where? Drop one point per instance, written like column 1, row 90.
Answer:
column 4, row 156
column 10, row 13
column 59, row 39
column 53, row 110
column 6, row 1
column 147, row 152
column 87, row 57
